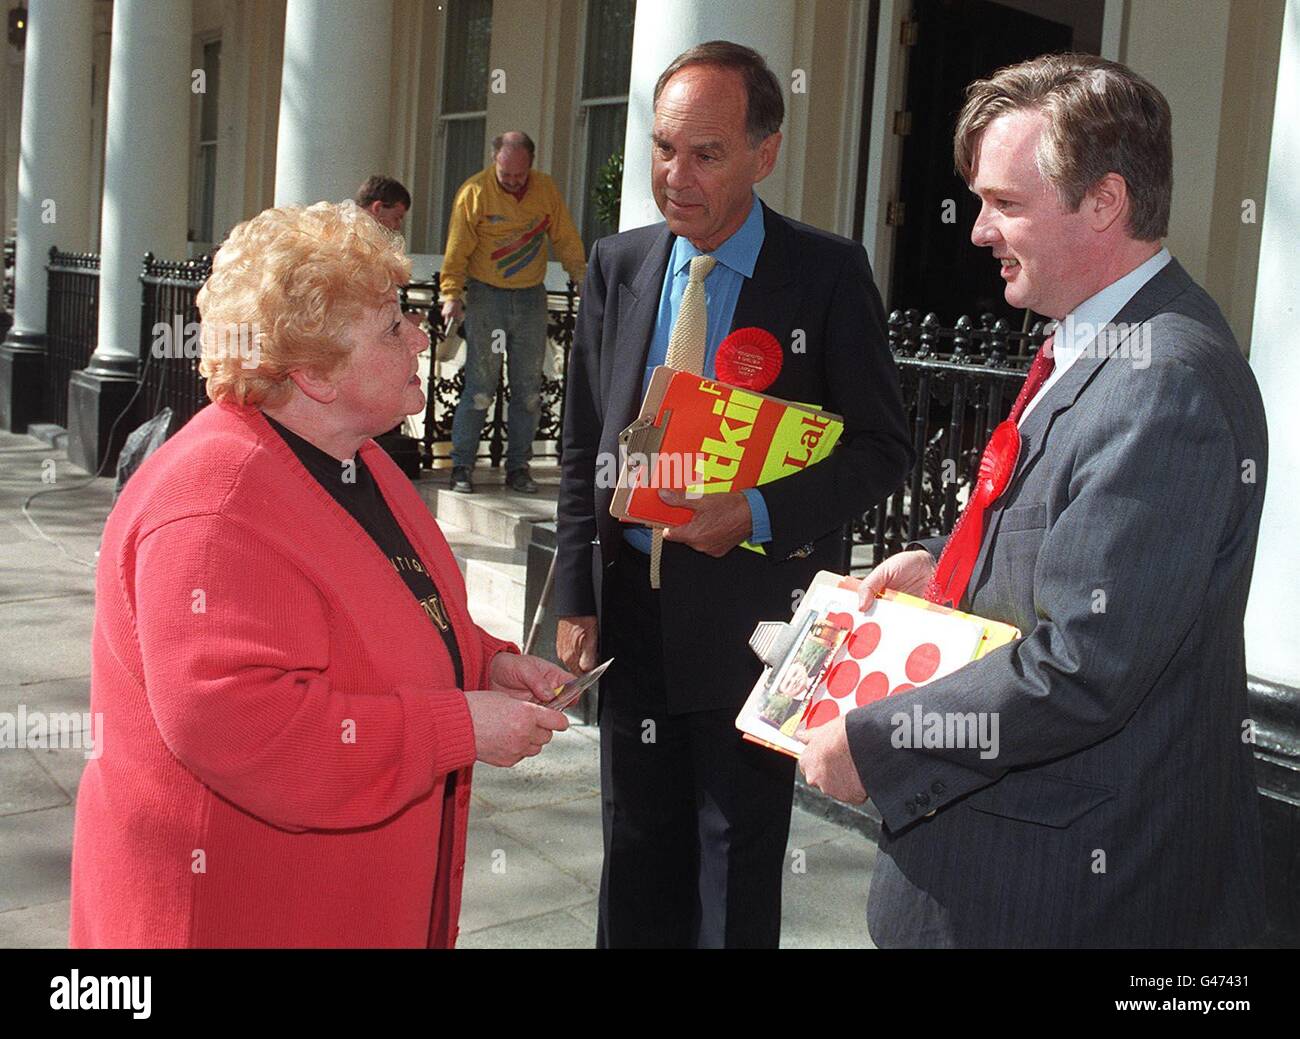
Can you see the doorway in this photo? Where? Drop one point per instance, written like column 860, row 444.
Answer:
column 952, row 42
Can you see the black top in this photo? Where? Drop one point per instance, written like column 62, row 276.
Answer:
column 353, row 487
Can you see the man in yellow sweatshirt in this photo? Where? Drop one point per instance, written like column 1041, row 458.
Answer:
column 493, row 273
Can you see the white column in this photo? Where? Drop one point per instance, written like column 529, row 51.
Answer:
column 146, row 175
column 665, row 28
column 146, row 191
column 1272, row 653
column 54, row 196
column 6, row 102
column 334, row 91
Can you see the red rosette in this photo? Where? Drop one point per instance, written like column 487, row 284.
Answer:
column 997, row 463
column 750, row 358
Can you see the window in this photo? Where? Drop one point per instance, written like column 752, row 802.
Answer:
column 464, row 100
column 203, row 194
column 603, row 109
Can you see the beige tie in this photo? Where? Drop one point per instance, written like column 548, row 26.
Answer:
column 685, row 353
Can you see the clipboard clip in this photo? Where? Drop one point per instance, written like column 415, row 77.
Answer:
column 640, row 443
column 643, row 437
column 772, row 641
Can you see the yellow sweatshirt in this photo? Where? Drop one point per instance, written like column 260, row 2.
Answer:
column 499, row 240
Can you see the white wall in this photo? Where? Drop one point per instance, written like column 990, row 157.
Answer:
column 1271, row 646
column 1215, row 60
column 1180, row 45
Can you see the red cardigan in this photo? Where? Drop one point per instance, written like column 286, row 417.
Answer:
column 280, row 717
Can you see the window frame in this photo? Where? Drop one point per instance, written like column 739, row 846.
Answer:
column 437, row 237
column 197, row 245
column 582, row 115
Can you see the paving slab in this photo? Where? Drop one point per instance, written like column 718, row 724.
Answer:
column 46, row 638
column 566, row 834
column 568, row 767
column 556, row 930
column 35, row 857
column 24, row 785
column 825, row 905
column 55, row 696
column 808, row 829
column 35, row 569
column 37, row 927
column 64, row 765
column 506, row 880
column 586, row 913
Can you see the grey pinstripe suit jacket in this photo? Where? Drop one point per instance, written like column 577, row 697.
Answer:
column 1120, row 809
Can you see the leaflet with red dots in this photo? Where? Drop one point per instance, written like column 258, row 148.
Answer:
column 834, row 657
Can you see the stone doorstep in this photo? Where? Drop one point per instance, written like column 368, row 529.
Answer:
column 492, row 512
column 489, row 532
column 468, row 546
column 494, row 581
column 48, row 433
column 499, row 585
column 497, row 624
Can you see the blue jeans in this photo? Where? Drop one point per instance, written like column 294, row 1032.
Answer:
column 510, row 323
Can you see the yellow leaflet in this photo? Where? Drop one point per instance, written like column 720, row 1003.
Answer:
column 801, row 439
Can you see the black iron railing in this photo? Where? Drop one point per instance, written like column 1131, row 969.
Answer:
column 958, row 383
column 169, row 343
column 443, row 392
column 171, row 375
column 71, row 324
column 7, row 292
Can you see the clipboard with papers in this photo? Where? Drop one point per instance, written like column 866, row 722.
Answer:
column 701, row 436
column 834, row 656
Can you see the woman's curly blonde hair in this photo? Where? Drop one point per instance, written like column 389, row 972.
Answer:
column 293, row 279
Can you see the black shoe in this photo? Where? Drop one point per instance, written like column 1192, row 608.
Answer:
column 520, row 481
column 460, row 480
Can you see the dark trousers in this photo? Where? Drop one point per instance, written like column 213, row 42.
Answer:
column 696, row 819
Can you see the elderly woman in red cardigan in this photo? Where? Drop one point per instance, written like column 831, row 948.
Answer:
column 282, row 646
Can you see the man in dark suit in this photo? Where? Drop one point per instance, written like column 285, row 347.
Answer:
column 1120, row 807
column 696, row 820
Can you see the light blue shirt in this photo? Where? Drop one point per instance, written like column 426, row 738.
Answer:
column 1076, row 333
column 736, row 259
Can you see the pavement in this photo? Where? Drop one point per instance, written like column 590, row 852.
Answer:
column 533, row 862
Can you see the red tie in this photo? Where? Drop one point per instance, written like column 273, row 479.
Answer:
column 957, row 561
column 1039, row 372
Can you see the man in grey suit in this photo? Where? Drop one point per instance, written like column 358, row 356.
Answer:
column 1119, row 807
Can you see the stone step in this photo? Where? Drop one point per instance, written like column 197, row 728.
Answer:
column 50, row 434
column 492, row 511
column 489, row 532
column 498, row 624
column 494, row 579
column 467, row 546
column 497, row 586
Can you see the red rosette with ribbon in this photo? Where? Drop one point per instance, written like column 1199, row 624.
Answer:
column 998, row 462
column 750, row 358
